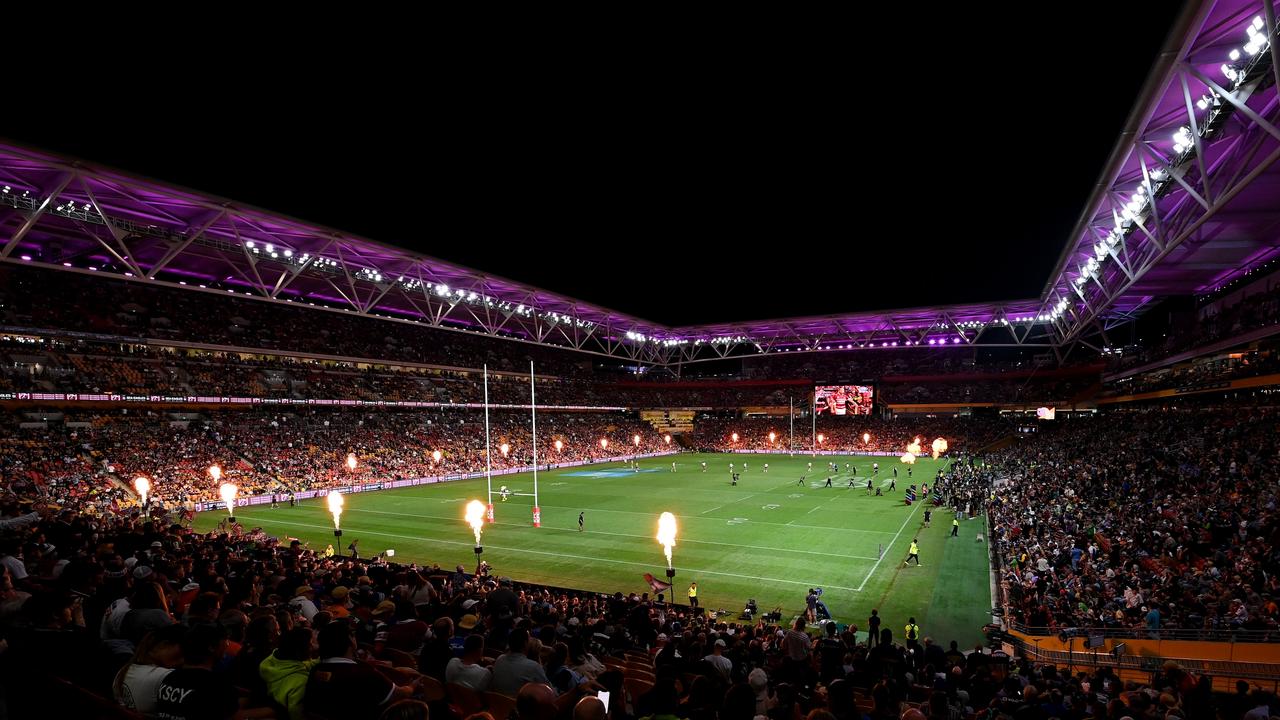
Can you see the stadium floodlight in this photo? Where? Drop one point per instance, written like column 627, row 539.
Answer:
column 1234, row 55
column 6, row 189
column 249, row 244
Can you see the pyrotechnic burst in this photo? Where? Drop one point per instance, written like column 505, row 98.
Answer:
column 228, row 492
column 143, row 486
column 475, row 518
column 939, row 447
column 667, row 534
column 335, row 507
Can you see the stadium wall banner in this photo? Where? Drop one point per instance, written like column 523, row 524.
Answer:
column 224, row 400
column 411, row 482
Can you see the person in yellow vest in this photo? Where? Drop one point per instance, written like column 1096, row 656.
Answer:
column 693, row 595
column 914, row 552
column 912, row 633
column 955, row 527
column 328, row 552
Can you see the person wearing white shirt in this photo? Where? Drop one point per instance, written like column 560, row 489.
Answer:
column 304, row 601
column 722, row 664
column 467, row 670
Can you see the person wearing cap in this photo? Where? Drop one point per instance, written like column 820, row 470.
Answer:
column 717, row 660
column 339, row 606
column 303, row 602
column 468, row 670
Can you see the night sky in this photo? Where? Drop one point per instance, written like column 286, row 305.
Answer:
column 684, row 182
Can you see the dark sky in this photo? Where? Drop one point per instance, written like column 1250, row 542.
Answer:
column 683, row 182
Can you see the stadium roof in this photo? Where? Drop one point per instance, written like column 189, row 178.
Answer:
column 73, row 215
column 1201, row 140
column 1213, row 219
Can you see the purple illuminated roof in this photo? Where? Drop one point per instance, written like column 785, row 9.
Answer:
column 73, row 215
column 1215, row 182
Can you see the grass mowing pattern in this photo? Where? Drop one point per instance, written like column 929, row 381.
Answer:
column 768, row 538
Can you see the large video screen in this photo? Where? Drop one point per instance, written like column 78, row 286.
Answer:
column 842, row 399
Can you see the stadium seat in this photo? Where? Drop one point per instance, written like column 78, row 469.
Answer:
column 432, row 689
column 398, row 658
column 500, row 706
column 464, row 700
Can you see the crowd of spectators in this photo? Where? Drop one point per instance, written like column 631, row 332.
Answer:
column 49, row 364
column 265, row 333
column 845, row 434
column 1222, row 320
column 1199, row 373
column 171, row 623
column 42, row 299
column 1141, row 520
column 272, row 452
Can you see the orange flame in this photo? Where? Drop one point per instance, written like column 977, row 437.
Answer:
column 143, row 486
column 667, row 534
column 475, row 518
column 939, row 447
column 228, row 493
column 335, row 506
column 909, row 458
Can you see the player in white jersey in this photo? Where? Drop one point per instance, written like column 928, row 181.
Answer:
column 704, row 466
column 766, row 468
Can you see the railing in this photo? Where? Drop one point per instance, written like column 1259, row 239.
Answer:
column 1191, row 634
column 1235, row 670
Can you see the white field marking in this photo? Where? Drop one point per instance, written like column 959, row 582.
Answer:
column 692, row 517
column 910, row 515
column 819, row 506
column 685, row 541
column 554, row 554
column 731, row 502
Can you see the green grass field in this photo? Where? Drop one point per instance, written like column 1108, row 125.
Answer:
column 768, row 538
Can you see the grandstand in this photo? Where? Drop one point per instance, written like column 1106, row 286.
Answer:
column 290, row 471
